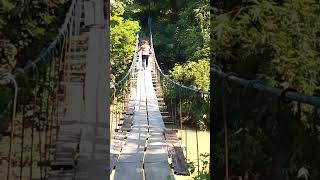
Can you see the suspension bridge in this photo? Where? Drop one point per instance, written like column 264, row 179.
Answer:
column 58, row 121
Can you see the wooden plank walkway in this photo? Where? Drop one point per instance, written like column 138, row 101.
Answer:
column 69, row 132
column 127, row 123
column 179, row 163
column 144, row 154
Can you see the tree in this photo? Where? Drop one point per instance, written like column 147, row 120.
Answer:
column 276, row 42
column 122, row 39
column 24, row 33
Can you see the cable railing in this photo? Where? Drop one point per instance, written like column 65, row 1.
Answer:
column 187, row 108
column 171, row 80
column 258, row 119
column 120, row 96
column 126, row 77
column 36, row 105
column 46, row 53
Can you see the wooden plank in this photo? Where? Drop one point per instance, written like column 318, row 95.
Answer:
column 132, row 171
column 120, row 135
column 142, row 135
column 136, row 128
column 62, row 164
column 88, row 9
column 156, row 139
column 158, row 171
column 156, row 129
column 116, row 145
column 62, row 175
column 131, row 157
column 133, row 148
column 126, row 125
column 157, row 142
column 76, row 122
column 113, row 160
column 156, row 133
column 179, row 163
column 156, row 153
column 116, row 148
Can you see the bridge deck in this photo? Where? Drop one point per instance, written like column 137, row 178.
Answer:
column 144, row 154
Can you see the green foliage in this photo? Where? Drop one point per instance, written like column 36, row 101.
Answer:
column 204, row 173
column 180, row 29
column 23, row 32
column 195, row 107
column 277, row 43
column 192, row 74
column 122, row 40
column 193, row 31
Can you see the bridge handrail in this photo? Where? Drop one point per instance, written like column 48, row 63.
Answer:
column 290, row 95
column 167, row 76
column 47, row 51
column 114, row 86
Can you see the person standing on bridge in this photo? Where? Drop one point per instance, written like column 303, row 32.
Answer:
column 146, row 51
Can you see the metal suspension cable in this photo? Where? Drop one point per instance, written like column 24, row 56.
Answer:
column 313, row 100
column 166, row 76
column 130, row 69
column 49, row 50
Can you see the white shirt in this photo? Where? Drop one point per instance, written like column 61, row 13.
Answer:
column 145, row 49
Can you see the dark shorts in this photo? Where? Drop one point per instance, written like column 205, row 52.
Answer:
column 145, row 59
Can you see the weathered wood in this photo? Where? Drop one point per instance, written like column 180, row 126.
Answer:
column 147, row 134
column 131, row 157
column 62, row 175
column 131, row 171
column 179, row 163
column 126, row 125
column 134, row 146
column 164, row 113
column 64, row 164
column 116, row 145
column 156, row 154
column 89, row 18
column 113, row 161
column 158, row 171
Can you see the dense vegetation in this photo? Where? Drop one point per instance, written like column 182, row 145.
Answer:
column 277, row 42
column 27, row 27
column 123, row 33
column 23, row 34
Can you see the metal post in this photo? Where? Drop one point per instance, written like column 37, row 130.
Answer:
column 180, row 111
column 32, row 121
column 12, row 79
column 186, row 140
column 198, row 159
column 22, row 137
column 225, row 137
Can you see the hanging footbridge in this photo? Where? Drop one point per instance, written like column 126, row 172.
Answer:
column 57, row 123
column 142, row 145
